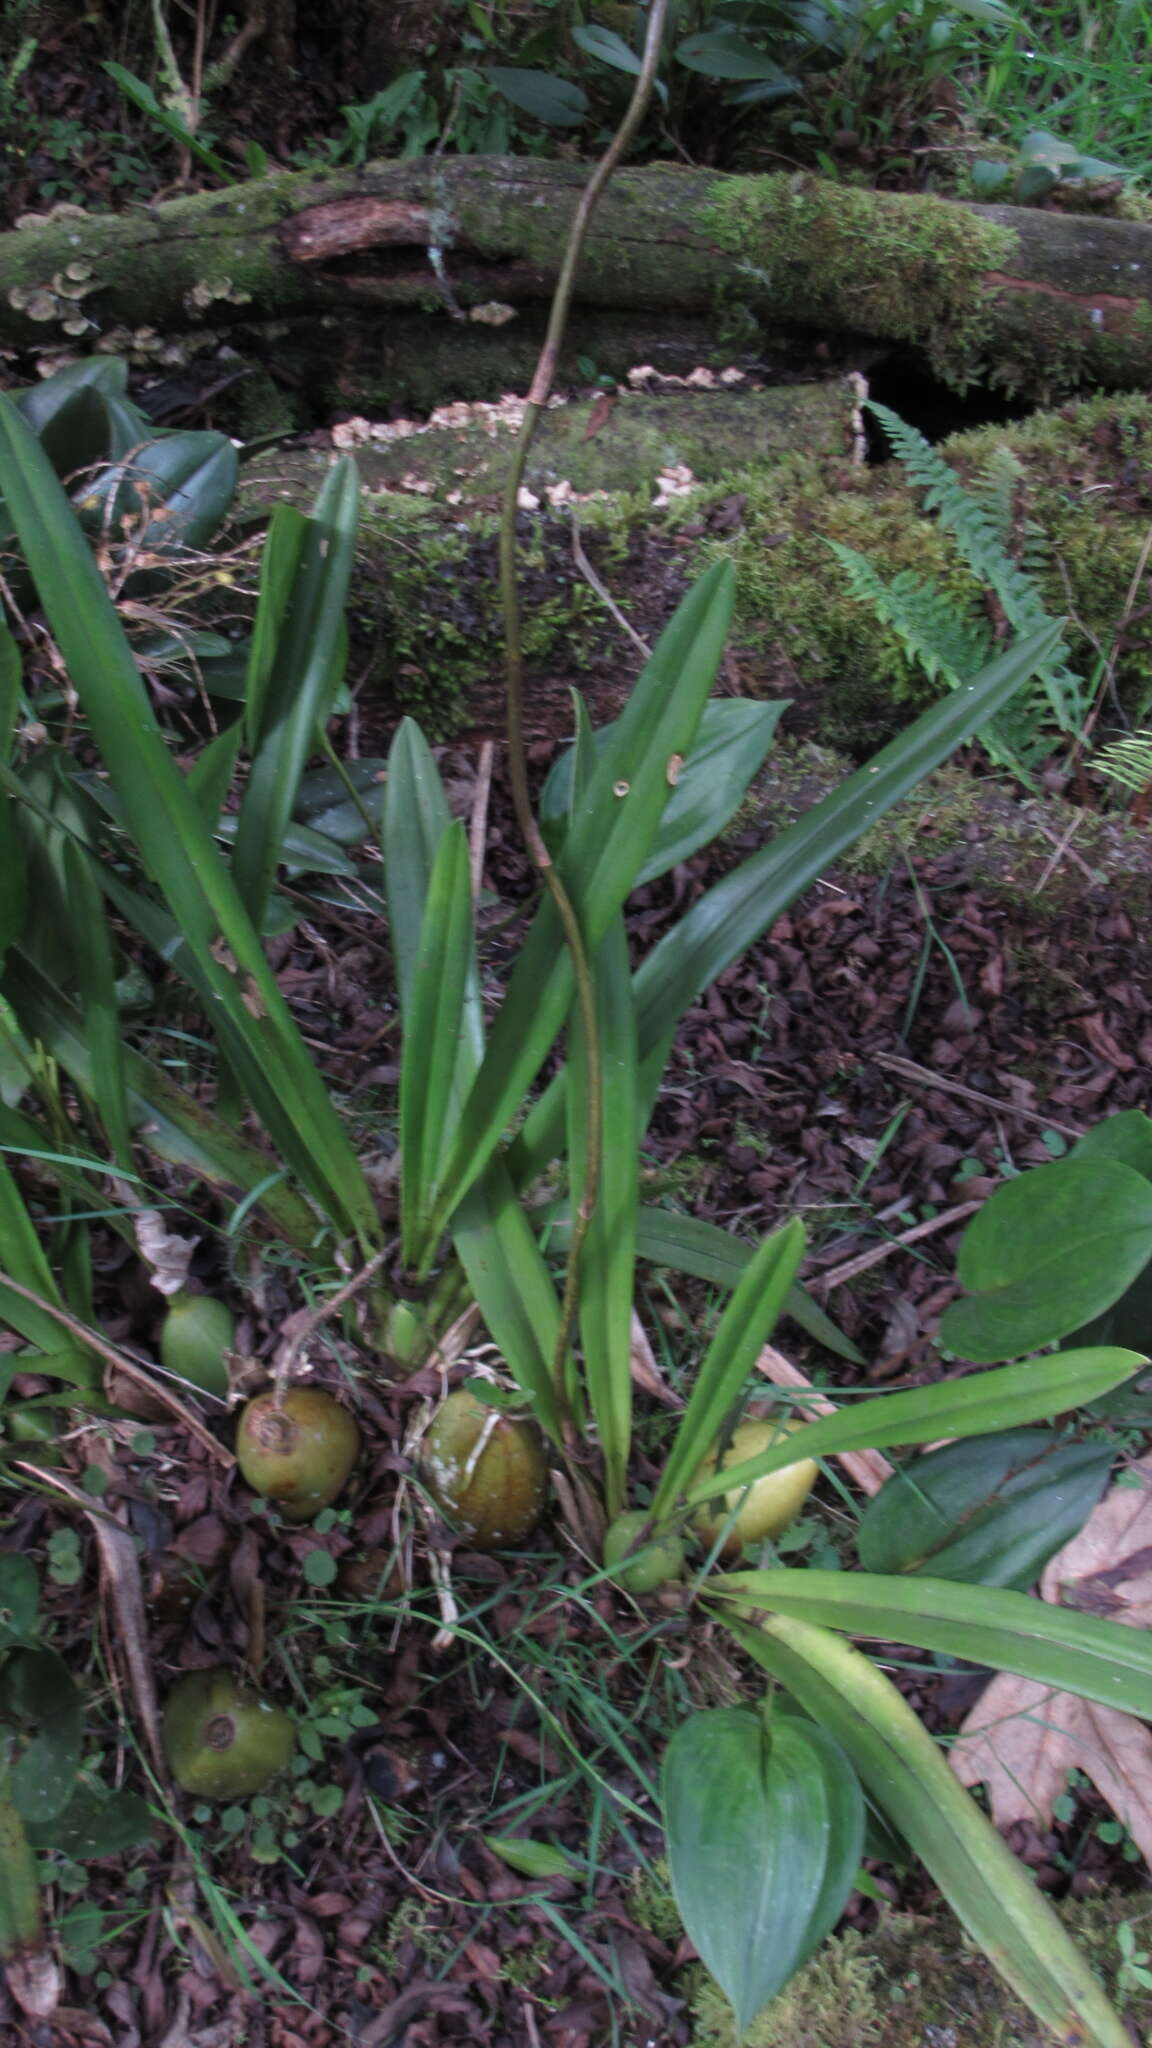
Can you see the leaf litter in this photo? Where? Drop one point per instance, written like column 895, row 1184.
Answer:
column 1021, row 1739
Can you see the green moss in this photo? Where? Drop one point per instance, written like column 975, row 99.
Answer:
column 910, row 1982
column 1080, row 509
column 908, row 267
column 425, row 607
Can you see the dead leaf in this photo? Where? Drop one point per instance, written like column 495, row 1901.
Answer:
column 1021, row 1738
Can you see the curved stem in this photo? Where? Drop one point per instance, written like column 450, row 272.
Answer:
column 514, row 671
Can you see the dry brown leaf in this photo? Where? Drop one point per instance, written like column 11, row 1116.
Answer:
column 1021, row 1738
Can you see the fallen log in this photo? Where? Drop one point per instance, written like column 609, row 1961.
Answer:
column 1037, row 303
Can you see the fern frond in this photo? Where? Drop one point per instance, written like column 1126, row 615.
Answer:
column 947, row 642
column 1127, row 761
column 975, row 531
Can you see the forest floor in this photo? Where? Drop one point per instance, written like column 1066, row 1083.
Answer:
column 922, row 1021
column 956, row 1003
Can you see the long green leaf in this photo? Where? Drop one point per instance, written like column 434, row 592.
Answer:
column 1001, row 1399
column 22, row 1259
column 608, row 1260
column 688, row 1244
column 13, row 853
column 87, row 928
column 744, row 1327
column 1080, row 1653
column 292, row 682
column 734, row 913
column 992, row 1895
column 738, row 910
column 172, row 1124
column 730, row 747
column 613, row 824
column 433, row 1027
column 173, row 838
column 512, row 1286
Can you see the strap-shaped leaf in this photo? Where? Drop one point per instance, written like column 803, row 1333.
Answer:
column 608, row 1260
column 433, row 1026
column 1080, row 1653
column 765, row 1827
column 1003, row 1399
column 172, row 837
column 992, row 1895
column 690, row 1245
column 22, row 1259
column 179, row 1129
column 295, row 668
column 730, row 746
column 733, row 914
column 87, row 931
column 513, row 1287
column 612, row 828
column 744, row 1327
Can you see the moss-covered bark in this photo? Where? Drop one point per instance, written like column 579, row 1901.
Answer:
column 1039, row 300
column 1075, row 487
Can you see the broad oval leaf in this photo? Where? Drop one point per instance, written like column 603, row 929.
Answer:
column 607, row 47
column 35, row 1687
column 182, row 484
column 540, row 94
column 94, row 1824
column 725, row 54
column 19, row 1596
column 1048, row 1251
column 988, row 1511
column 765, row 1827
column 1126, row 1137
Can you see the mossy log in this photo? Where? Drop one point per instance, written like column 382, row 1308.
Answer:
column 1037, row 302
column 620, row 443
column 425, row 614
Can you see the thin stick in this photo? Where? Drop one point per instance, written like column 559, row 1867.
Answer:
column 478, row 822
column 852, row 1268
column 869, row 1469
column 909, row 1071
column 602, row 591
column 306, row 1321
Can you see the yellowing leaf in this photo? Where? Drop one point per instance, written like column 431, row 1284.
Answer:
column 1021, row 1739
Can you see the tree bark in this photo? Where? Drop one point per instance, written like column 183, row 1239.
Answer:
column 1038, row 303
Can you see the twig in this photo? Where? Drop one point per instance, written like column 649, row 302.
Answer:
column 150, row 1383
column 909, row 1071
column 602, row 591
column 1062, row 847
column 121, row 1568
column 852, row 1268
column 306, row 1321
column 869, row 1469
column 478, row 822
